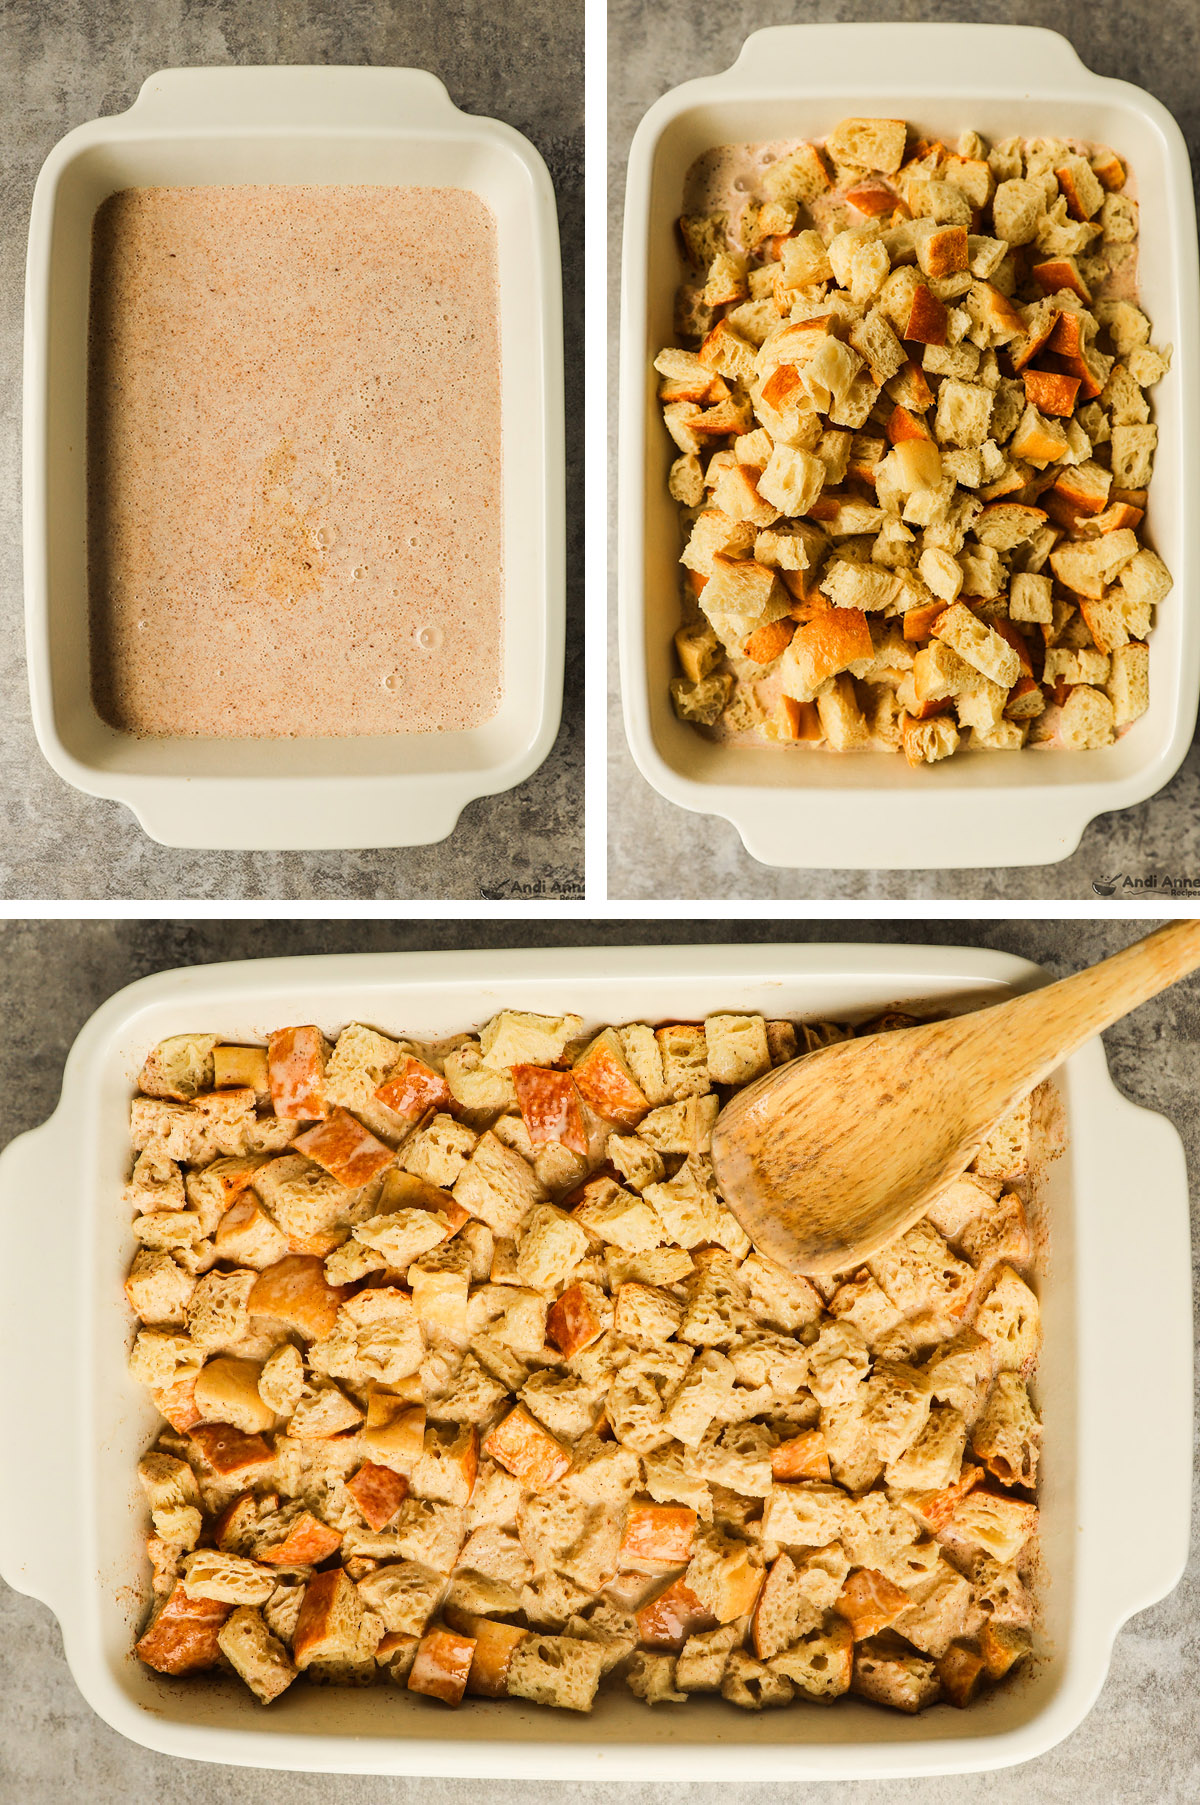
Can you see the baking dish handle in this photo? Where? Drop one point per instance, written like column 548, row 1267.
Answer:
column 40, row 1373
column 905, row 56
column 1136, row 1353
column 319, row 96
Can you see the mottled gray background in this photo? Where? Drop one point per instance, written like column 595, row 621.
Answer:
column 66, row 61
column 658, row 850
column 1140, row 1745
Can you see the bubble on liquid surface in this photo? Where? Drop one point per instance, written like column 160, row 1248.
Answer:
column 428, row 639
column 324, row 538
column 390, row 681
column 142, row 625
column 360, row 570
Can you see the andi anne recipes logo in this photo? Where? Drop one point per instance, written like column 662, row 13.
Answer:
column 1163, row 885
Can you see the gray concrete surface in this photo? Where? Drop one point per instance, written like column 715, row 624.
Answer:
column 1140, row 1745
column 72, row 60
column 653, row 49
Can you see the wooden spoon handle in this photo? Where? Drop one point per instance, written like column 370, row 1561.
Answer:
column 1042, row 1028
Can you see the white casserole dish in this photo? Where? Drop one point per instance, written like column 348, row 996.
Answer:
column 809, row 809
column 294, row 125
column 71, row 1532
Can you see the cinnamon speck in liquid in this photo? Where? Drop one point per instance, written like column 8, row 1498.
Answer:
column 294, row 464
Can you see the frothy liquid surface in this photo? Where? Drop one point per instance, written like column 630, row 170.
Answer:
column 294, row 467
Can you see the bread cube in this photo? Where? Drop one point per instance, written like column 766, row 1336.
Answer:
column 979, row 645
column 495, row 1644
column 652, row 1679
column 963, row 413
column 820, row 1662
column 229, row 1578
column 888, row 1674
column 555, row 1670
column 1089, row 566
column 528, row 1451
column 255, row 1654
column 294, row 1537
column 645, row 1312
column 329, row 1620
column 1017, row 205
column 897, row 1405
column 179, row 1068
column 179, row 1525
column 782, row 1611
column 634, row 1160
column 658, row 1532
column 736, row 1048
column 344, row 1148
column 1086, row 720
column 926, row 742
column 177, row 1403
column 516, row 1037
column 798, row 177
column 802, row 1456
column 498, row 1186
column 158, row 1288
column 378, row 1492
column 1129, row 684
column 753, row 1686
column 295, row 1291
column 296, row 1059
column 932, row 1460
column 226, row 1391
column 803, row 1515
column 578, row 1317
column 1133, row 455
column 241, row 1068
column 869, row 143
column 310, row 1205
column 606, row 1080
column 1007, row 1436
column 247, row 1236
column 448, row 1464
column 673, row 1614
column 869, row 1602
column 550, row 1106
column 413, row 1087
column 184, row 1636
column 999, row 1524
column 619, row 1217
column 393, row 1434
column 792, row 480
column 1002, row 1645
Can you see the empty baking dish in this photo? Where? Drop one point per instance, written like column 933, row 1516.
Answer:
column 71, row 1533
column 810, row 809
column 294, row 125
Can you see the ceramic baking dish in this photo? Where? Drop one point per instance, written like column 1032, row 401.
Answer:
column 70, row 1532
column 294, row 125
column 818, row 809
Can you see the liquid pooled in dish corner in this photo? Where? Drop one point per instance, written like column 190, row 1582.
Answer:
column 294, row 461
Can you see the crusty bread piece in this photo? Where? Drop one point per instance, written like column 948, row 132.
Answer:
column 869, row 143
column 652, row 1677
column 227, row 1392
column 752, row 1685
column 330, row 1615
column 208, row 1573
column 182, row 1637
column 256, row 1655
column 556, row 1670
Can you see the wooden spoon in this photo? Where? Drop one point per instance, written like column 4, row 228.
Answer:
column 826, row 1159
